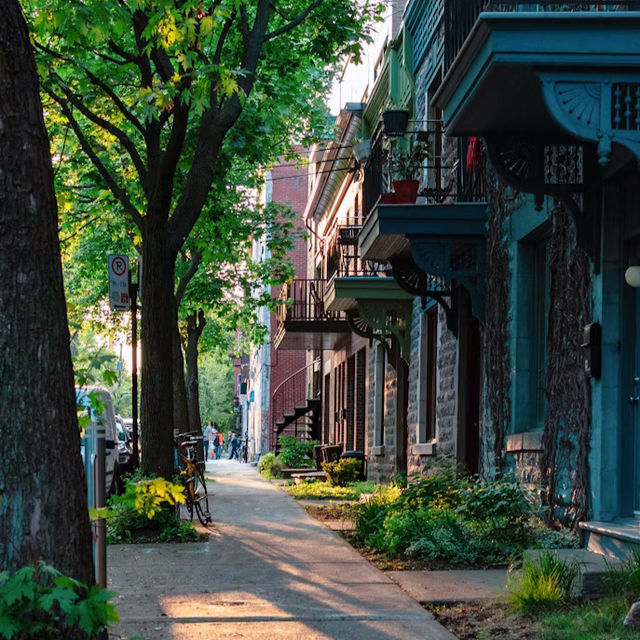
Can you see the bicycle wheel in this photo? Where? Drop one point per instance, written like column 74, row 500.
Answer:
column 201, row 502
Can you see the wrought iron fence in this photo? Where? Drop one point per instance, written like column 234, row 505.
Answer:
column 461, row 15
column 343, row 257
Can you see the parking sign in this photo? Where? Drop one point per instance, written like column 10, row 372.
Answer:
column 118, row 267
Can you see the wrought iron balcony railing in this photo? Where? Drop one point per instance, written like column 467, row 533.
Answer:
column 461, row 15
column 343, row 257
column 302, row 300
column 446, row 176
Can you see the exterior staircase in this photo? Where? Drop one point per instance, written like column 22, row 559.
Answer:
column 297, row 408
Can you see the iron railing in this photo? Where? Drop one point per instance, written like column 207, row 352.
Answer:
column 343, row 257
column 445, row 176
column 460, row 16
column 294, row 392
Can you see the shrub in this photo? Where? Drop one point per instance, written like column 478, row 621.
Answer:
column 321, row 490
column 295, row 454
column 270, row 465
column 146, row 512
column 341, row 472
column 624, row 578
column 39, row 602
column 543, row 584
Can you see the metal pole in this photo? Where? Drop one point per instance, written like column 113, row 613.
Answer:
column 100, row 546
column 133, row 294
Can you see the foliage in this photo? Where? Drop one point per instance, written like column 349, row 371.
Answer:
column 39, row 602
column 216, row 390
column 407, row 164
column 315, row 490
column 601, row 620
column 341, row 472
column 543, row 584
column 146, row 512
column 151, row 495
column 624, row 578
column 294, row 453
column 269, row 465
column 449, row 516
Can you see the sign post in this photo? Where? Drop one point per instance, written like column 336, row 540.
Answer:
column 123, row 296
column 118, row 282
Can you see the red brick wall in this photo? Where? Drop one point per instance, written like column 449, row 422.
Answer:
column 290, row 188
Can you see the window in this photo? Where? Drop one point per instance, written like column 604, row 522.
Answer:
column 532, row 311
column 428, row 375
column 540, row 321
column 379, row 384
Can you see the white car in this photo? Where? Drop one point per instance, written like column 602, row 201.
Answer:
column 107, row 417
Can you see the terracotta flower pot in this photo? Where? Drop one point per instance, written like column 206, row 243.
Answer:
column 406, row 191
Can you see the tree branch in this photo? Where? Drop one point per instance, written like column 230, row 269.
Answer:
column 119, row 193
column 294, row 23
column 187, row 277
column 124, row 139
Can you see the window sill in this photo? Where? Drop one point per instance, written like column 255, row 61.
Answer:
column 424, row 449
column 377, row 451
column 528, row 441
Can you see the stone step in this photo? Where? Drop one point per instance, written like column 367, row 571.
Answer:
column 614, row 540
column 593, row 567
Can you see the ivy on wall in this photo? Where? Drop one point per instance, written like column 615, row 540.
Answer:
column 497, row 379
column 564, row 461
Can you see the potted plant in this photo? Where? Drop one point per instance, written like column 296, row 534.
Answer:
column 405, row 171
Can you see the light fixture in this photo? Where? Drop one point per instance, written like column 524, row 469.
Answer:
column 632, row 276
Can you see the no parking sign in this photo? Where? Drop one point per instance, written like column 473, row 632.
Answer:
column 118, row 267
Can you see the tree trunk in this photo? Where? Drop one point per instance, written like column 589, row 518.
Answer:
column 157, row 350
column 43, row 503
column 180, row 408
column 195, row 326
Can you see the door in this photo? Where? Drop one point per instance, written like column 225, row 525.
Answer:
column 630, row 432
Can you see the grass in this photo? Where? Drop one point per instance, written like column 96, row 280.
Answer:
column 324, row 491
column 600, row 620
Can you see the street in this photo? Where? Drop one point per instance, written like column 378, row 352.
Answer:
column 268, row 571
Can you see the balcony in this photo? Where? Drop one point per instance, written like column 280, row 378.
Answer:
column 566, row 73
column 302, row 320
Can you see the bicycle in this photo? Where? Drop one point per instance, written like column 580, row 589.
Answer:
column 192, row 478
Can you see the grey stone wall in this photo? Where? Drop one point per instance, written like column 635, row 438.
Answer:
column 381, row 460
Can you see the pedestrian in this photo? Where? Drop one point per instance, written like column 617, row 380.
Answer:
column 235, row 448
column 206, row 438
column 218, row 441
column 212, row 441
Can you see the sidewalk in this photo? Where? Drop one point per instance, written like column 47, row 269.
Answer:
column 268, row 572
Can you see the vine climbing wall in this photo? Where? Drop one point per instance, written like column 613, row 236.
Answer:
column 565, row 441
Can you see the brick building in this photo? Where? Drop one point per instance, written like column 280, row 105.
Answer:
column 269, row 367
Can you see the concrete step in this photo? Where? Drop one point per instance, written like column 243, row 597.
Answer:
column 614, row 540
column 593, row 567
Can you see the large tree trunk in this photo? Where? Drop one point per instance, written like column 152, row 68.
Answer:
column 195, row 326
column 43, row 504
column 180, row 408
column 157, row 351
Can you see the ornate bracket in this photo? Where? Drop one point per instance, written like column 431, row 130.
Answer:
column 561, row 168
column 418, row 283
column 381, row 320
column 598, row 107
column 459, row 258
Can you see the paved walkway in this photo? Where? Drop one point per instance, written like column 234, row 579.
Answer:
column 268, row 572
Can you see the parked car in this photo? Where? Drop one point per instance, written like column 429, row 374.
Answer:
column 101, row 412
column 125, row 447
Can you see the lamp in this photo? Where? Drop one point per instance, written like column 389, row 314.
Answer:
column 632, row 276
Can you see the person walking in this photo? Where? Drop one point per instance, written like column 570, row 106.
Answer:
column 206, row 438
column 218, row 441
column 235, row 448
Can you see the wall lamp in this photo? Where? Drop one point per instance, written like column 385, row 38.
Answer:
column 632, row 275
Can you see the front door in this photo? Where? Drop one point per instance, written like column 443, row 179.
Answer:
column 630, row 440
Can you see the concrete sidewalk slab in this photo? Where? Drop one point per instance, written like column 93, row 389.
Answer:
column 268, row 571
column 444, row 587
